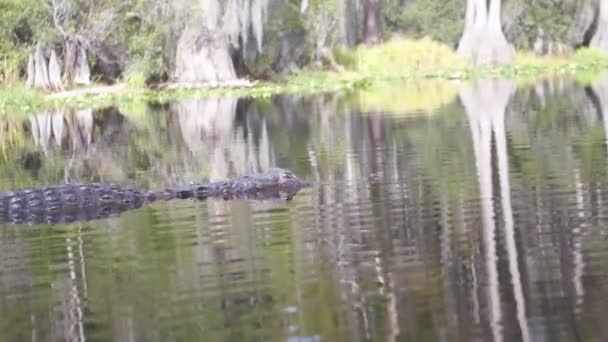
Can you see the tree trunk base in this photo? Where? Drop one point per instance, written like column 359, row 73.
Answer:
column 202, row 57
column 493, row 49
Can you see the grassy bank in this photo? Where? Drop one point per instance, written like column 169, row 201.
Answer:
column 396, row 61
column 415, row 59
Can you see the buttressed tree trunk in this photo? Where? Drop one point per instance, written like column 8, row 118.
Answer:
column 69, row 61
column 54, row 72
column 202, row 49
column 41, row 71
column 83, row 71
column 466, row 41
column 76, row 64
column 31, row 70
column 483, row 40
column 600, row 38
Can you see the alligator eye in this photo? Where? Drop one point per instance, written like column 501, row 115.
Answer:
column 288, row 175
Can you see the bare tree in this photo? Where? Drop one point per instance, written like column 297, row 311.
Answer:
column 321, row 21
column 83, row 27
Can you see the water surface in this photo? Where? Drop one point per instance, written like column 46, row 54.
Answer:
column 475, row 215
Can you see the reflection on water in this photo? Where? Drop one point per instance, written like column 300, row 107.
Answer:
column 483, row 221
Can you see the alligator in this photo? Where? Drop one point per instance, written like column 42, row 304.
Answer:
column 69, row 203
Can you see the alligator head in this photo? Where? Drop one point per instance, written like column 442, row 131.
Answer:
column 284, row 179
column 274, row 183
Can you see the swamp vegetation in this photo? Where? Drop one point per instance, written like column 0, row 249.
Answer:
column 159, row 50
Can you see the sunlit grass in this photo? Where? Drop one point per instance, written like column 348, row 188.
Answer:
column 405, row 57
column 17, row 97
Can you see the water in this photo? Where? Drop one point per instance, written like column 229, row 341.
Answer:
column 477, row 215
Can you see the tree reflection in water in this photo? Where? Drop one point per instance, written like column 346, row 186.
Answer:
column 483, row 220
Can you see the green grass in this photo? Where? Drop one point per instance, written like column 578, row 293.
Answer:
column 425, row 58
column 404, row 57
column 19, row 98
column 395, row 63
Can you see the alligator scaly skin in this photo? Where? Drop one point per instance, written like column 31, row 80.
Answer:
column 70, row 202
column 83, row 202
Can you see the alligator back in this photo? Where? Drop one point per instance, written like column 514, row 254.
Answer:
column 70, row 202
column 82, row 202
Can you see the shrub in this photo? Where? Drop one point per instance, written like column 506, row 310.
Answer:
column 403, row 56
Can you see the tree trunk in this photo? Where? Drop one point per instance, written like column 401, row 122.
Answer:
column 31, row 71
column 82, row 73
column 202, row 56
column 54, row 72
column 600, row 38
column 372, row 22
column 41, row 71
column 465, row 45
column 494, row 49
column 69, row 61
column 202, row 49
column 480, row 11
column 76, row 64
column 483, row 40
column 350, row 17
column 584, row 18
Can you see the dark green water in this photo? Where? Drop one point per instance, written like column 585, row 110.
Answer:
column 483, row 219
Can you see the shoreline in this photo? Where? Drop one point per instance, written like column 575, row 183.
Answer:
column 305, row 83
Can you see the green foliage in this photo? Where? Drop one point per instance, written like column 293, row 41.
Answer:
column 398, row 59
column 439, row 19
column 527, row 19
column 402, row 57
column 135, row 79
column 20, row 22
column 11, row 64
column 345, row 57
column 18, row 99
column 591, row 56
column 443, row 20
column 593, row 60
column 145, row 46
